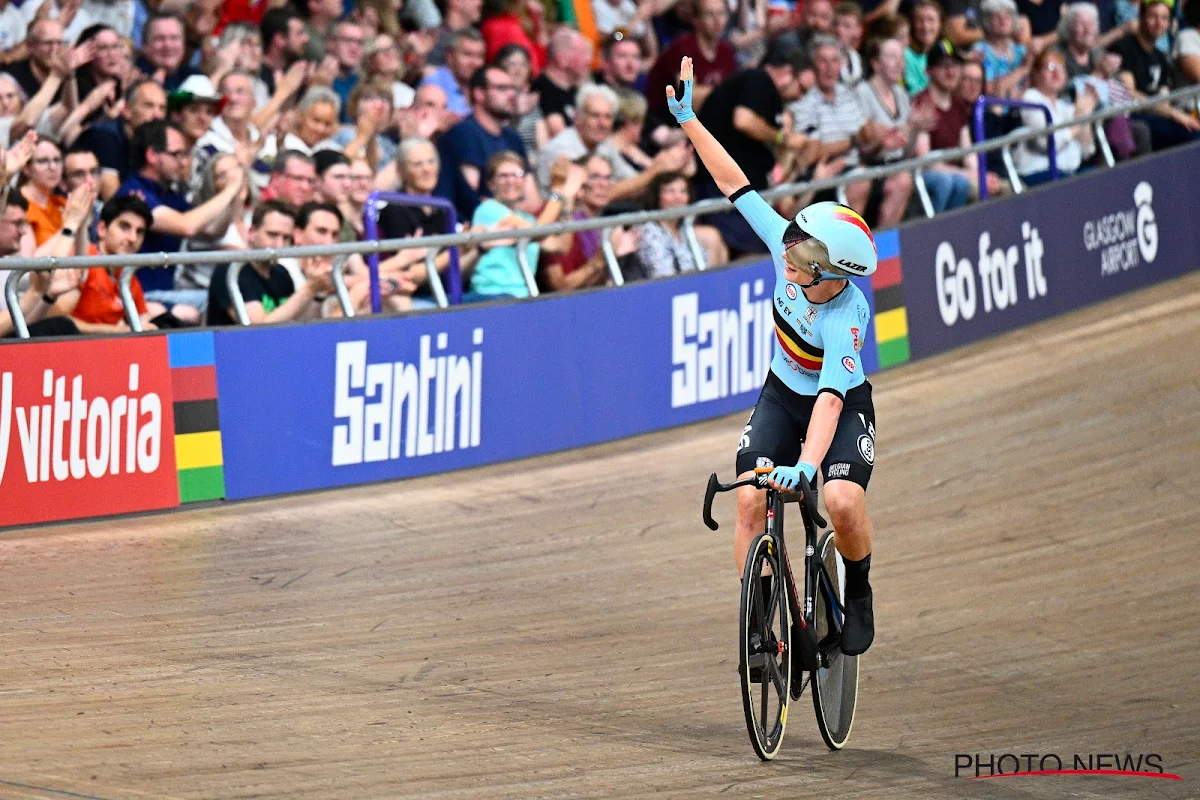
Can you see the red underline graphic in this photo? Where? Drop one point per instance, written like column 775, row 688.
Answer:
column 1167, row 775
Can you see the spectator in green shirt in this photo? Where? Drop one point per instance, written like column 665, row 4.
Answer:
column 926, row 19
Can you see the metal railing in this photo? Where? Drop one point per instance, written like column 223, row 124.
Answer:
column 716, row 205
column 235, row 291
column 376, row 201
column 1051, row 146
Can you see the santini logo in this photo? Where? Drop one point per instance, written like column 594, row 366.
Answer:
column 721, row 352
column 379, row 406
column 72, row 436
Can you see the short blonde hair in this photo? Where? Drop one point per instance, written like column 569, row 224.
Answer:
column 632, row 106
column 500, row 159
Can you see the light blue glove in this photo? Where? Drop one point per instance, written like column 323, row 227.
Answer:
column 681, row 108
column 789, row 477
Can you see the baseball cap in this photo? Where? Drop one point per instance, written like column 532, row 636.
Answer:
column 941, row 52
column 195, row 89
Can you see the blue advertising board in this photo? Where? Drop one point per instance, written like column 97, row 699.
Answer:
column 996, row 267
column 337, row 403
column 312, row 406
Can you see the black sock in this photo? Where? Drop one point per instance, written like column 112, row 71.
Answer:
column 857, row 584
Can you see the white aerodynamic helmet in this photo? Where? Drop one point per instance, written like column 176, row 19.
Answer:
column 845, row 234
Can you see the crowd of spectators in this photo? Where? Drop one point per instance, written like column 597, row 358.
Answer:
column 183, row 125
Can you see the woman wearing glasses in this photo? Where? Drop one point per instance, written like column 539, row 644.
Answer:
column 39, row 183
column 1048, row 77
column 498, row 273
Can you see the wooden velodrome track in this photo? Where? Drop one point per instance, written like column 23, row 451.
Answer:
column 565, row 626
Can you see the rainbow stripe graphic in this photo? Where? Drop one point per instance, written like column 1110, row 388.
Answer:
column 891, row 318
column 198, row 455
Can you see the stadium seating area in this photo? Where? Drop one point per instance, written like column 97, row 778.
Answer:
column 166, row 125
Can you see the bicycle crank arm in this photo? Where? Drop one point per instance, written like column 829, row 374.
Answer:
column 806, row 655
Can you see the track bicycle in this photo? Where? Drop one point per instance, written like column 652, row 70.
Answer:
column 785, row 640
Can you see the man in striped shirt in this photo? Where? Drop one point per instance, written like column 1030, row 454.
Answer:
column 833, row 114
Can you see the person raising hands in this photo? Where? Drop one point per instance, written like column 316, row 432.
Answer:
column 815, row 411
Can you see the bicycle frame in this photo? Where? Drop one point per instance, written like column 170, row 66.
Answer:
column 775, row 529
column 813, row 567
column 802, row 613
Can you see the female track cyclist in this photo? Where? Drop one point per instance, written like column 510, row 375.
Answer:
column 815, row 408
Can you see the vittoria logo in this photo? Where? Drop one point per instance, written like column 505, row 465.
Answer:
column 857, row 339
column 89, row 421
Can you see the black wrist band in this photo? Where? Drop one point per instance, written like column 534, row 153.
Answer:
column 48, row 300
column 733, row 197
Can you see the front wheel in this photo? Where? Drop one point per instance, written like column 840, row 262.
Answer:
column 764, row 646
column 835, row 682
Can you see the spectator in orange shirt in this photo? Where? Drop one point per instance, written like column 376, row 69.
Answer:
column 98, row 307
column 38, row 300
column 42, row 175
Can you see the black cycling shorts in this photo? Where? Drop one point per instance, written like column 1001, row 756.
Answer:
column 776, row 429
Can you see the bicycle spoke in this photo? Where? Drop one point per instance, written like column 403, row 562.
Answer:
column 777, row 678
column 764, row 621
column 762, row 720
column 764, row 636
column 771, row 604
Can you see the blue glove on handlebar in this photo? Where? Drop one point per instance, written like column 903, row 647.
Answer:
column 681, row 107
column 789, row 477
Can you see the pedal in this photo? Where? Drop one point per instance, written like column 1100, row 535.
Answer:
column 770, row 649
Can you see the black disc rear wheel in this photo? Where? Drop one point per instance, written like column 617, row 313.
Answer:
column 835, row 684
column 764, row 646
